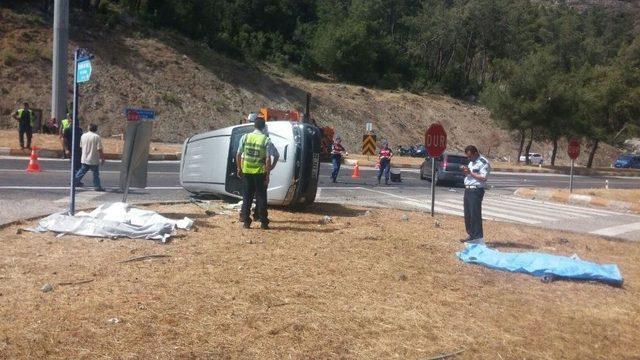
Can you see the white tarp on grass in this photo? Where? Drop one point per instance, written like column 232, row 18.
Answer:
column 114, row 220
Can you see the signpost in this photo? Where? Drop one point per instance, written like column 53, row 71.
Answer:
column 573, row 150
column 435, row 141
column 81, row 73
column 135, row 153
column 369, row 144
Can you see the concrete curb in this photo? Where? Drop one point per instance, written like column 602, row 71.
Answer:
column 577, row 199
column 57, row 154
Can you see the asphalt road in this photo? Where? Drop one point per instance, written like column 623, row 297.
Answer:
column 25, row 195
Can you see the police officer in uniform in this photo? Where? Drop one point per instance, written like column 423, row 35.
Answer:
column 477, row 171
column 25, row 120
column 254, row 165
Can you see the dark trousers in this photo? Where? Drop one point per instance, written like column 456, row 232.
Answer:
column 473, row 212
column 22, row 130
column 254, row 186
column 96, row 174
column 336, row 160
column 385, row 168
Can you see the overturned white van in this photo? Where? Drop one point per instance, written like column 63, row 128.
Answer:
column 208, row 165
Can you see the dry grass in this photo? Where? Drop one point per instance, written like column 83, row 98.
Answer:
column 626, row 195
column 364, row 286
column 9, row 138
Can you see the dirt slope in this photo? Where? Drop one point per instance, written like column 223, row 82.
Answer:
column 194, row 89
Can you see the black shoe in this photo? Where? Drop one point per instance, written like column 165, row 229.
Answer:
column 246, row 225
column 264, row 226
column 99, row 189
column 79, row 184
column 466, row 240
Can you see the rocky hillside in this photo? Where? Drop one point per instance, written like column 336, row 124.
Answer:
column 194, row 89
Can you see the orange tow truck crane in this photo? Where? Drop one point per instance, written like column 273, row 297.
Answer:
column 270, row 114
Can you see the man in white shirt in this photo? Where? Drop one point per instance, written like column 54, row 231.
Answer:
column 477, row 171
column 92, row 157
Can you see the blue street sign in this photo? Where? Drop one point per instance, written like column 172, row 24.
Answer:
column 139, row 114
column 84, row 71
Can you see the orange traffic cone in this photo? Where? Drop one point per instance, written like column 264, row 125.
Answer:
column 34, row 166
column 356, row 171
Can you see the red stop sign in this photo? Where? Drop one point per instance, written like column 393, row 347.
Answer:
column 435, row 140
column 574, row 149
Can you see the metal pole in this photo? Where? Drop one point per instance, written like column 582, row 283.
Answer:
column 74, row 125
column 571, row 177
column 433, row 184
column 129, row 160
column 59, row 71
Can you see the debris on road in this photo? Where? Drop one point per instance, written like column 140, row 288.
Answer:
column 113, row 321
column 405, row 217
column 76, row 282
column 401, row 276
column 46, row 288
column 144, row 257
column 437, row 224
column 326, row 220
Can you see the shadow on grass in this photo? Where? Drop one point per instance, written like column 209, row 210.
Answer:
column 330, row 210
column 509, row 244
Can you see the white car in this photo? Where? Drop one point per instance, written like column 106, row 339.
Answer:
column 208, row 164
column 534, row 158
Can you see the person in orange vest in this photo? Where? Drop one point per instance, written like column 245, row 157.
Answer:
column 337, row 151
column 25, row 120
column 384, row 157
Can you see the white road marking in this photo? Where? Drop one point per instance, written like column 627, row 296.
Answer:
column 617, row 230
column 586, row 210
column 491, row 212
column 539, row 208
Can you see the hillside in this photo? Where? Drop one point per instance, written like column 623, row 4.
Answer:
column 194, row 89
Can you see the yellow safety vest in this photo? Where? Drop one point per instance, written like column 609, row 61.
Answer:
column 255, row 153
column 31, row 118
column 65, row 123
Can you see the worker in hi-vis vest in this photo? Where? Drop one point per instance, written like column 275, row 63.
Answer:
column 25, row 120
column 64, row 125
column 254, row 165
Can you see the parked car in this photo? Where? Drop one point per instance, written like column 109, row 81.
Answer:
column 628, row 161
column 448, row 169
column 534, row 158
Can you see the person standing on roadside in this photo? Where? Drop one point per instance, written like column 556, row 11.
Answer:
column 474, row 183
column 337, row 151
column 67, row 142
column 25, row 120
column 254, row 166
column 384, row 157
column 92, row 157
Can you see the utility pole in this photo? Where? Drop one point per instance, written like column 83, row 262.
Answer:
column 59, row 73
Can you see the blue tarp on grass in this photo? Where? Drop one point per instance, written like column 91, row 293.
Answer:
column 540, row 264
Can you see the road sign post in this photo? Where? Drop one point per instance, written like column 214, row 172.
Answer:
column 135, row 153
column 81, row 73
column 435, row 141
column 574, row 151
